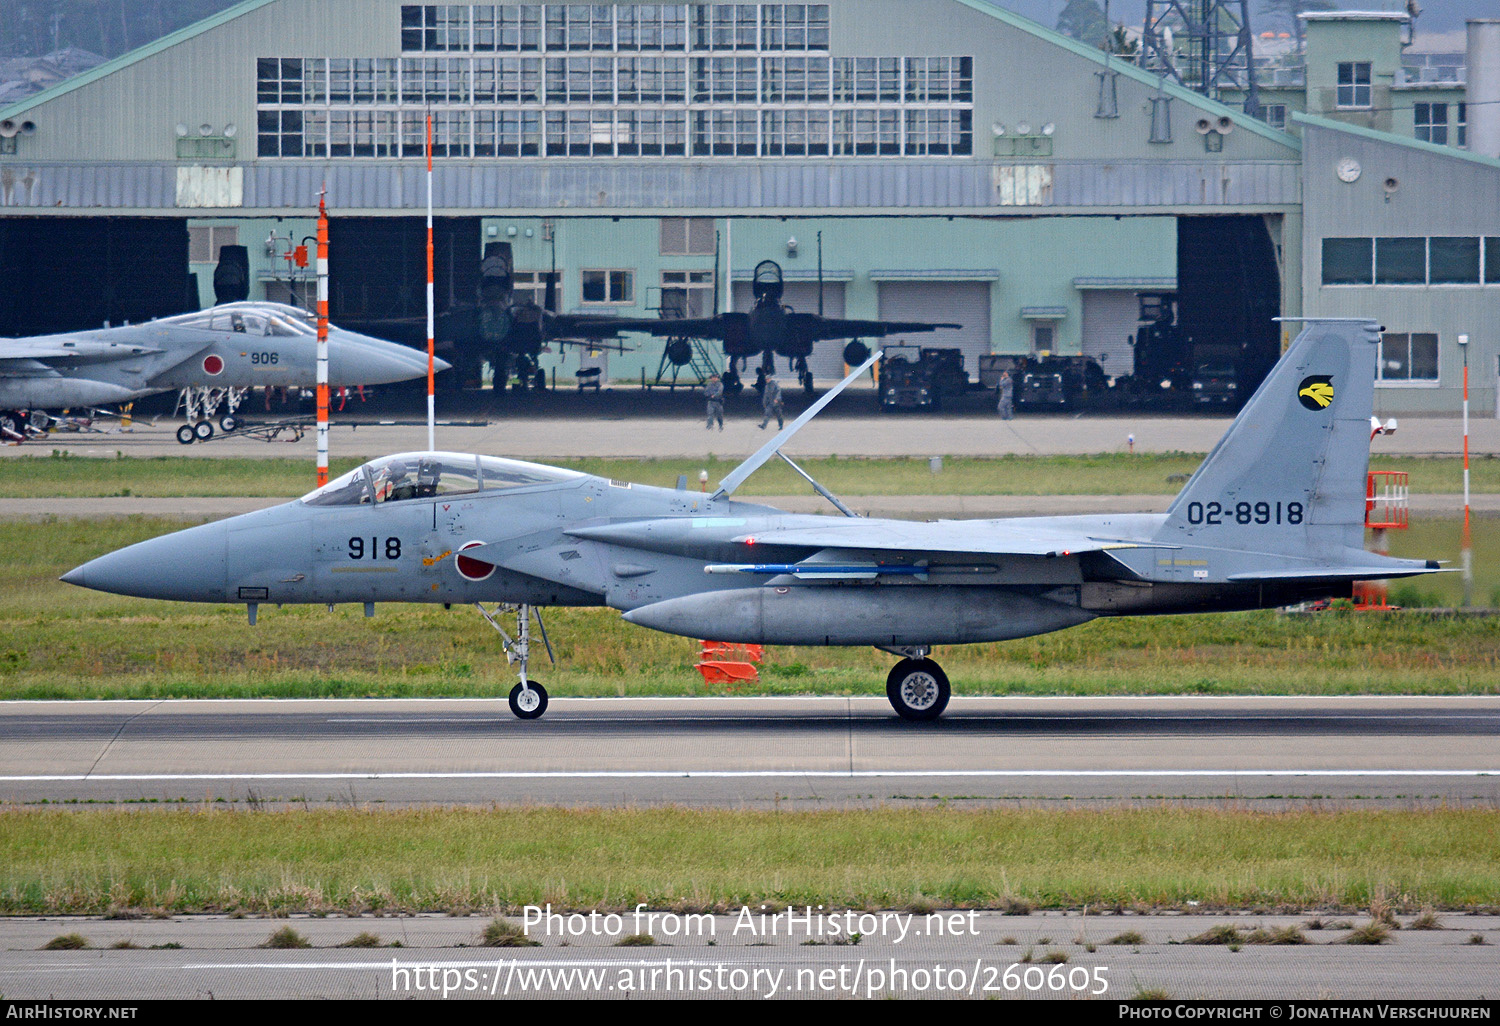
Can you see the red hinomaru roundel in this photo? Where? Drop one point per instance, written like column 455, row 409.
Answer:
column 213, row 365
column 472, row 569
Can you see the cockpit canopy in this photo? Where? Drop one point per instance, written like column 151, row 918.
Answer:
column 430, row 475
column 276, row 320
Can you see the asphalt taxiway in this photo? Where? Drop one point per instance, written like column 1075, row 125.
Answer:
column 754, row 751
column 573, row 429
column 945, row 955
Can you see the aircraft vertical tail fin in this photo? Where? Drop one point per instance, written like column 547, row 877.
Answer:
column 1289, row 475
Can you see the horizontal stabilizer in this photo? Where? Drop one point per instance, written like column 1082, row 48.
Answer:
column 1404, row 568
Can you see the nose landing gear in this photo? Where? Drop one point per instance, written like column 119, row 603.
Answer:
column 528, row 699
column 917, row 687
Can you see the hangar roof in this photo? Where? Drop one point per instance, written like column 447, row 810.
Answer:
column 109, row 67
column 1396, row 140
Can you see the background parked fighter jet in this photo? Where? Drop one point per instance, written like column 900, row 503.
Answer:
column 234, row 346
column 769, row 330
column 508, row 328
column 1274, row 515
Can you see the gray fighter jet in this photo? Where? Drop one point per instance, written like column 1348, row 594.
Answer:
column 234, row 346
column 1275, row 515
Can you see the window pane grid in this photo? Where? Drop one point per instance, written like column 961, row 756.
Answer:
column 761, row 88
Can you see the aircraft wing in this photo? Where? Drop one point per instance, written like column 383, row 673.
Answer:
column 62, row 348
column 983, row 537
column 811, row 328
column 817, row 534
column 725, row 327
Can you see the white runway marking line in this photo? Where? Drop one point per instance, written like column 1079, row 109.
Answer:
column 1015, row 717
column 150, row 778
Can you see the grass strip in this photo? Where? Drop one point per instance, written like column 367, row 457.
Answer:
column 67, row 476
column 208, row 859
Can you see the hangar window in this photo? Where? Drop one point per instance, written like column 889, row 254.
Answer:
column 1454, row 261
column 1463, row 125
column 278, row 81
column 1274, row 114
column 1492, row 260
column 531, row 286
column 1432, row 122
column 609, row 287
column 687, row 293
column 1408, row 357
column 1400, row 261
column 1348, row 261
column 205, row 242
column 444, row 27
column 280, row 133
column 1354, row 84
column 687, row 236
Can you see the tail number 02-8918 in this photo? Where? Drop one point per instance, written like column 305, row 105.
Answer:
column 390, row 550
column 1245, row 513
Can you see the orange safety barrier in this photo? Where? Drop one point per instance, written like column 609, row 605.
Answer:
column 1387, row 500
column 1387, row 508
column 723, row 662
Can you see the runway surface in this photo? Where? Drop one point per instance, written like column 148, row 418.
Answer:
column 978, row 957
column 817, row 752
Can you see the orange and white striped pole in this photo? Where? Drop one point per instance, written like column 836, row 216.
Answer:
column 431, row 306
column 323, row 338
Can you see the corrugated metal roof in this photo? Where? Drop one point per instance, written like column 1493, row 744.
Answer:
column 576, row 187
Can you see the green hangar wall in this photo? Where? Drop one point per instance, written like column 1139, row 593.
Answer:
column 961, row 163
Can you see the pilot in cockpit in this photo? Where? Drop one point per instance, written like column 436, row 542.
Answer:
column 393, row 483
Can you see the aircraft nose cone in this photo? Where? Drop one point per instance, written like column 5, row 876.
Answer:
column 186, row 566
column 355, row 359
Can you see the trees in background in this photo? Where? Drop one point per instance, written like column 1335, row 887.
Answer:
column 106, row 27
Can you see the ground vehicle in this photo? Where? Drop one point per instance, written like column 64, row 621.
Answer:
column 911, row 378
column 1215, row 383
column 1061, row 381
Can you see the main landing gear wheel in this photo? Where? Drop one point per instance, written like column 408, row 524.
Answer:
column 11, row 428
column 528, row 701
column 918, row 689
column 228, row 423
column 203, row 430
column 185, row 434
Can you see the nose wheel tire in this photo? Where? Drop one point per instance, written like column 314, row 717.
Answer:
column 528, row 703
column 228, row 423
column 918, row 689
column 185, row 434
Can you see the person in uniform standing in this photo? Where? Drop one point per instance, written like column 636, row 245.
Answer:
column 1007, row 395
column 713, row 392
column 771, row 404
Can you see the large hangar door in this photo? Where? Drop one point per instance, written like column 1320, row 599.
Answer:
column 827, row 360
column 1228, row 291
column 378, row 272
column 66, row 273
column 954, row 302
column 1109, row 323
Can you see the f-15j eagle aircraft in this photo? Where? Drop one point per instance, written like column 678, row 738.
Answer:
column 1275, row 515
column 233, row 346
